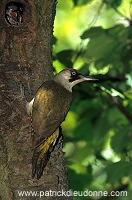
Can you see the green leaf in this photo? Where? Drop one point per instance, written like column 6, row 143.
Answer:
column 54, row 40
column 84, row 131
column 90, row 169
column 65, row 57
column 81, row 2
column 128, row 93
column 106, row 45
column 120, row 140
column 114, row 3
column 92, row 32
column 79, row 181
column 116, row 171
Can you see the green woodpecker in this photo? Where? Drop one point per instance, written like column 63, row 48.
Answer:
column 48, row 109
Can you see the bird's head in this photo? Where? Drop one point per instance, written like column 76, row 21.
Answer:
column 14, row 12
column 70, row 77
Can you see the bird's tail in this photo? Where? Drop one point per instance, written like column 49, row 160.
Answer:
column 42, row 153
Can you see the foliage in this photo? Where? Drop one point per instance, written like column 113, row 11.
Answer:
column 95, row 37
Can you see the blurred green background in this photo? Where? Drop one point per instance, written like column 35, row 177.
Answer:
column 95, row 37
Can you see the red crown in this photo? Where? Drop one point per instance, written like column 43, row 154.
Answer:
column 68, row 69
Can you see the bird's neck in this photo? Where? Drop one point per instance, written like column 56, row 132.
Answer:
column 63, row 83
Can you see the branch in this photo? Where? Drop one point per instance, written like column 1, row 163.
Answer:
column 119, row 105
column 118, row 11
column 95, row 18
column 103, row 78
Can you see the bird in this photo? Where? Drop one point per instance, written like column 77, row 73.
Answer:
column 48, row 110
column 14, row 13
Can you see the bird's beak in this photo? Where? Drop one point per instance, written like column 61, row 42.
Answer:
column 88, row 78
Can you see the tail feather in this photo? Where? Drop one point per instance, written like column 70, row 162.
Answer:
column 39, row 162
column 34, row 162
column 41, row 155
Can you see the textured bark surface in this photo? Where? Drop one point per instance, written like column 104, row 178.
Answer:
column 25, row 57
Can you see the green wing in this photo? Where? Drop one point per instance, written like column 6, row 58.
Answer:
column 50, row 107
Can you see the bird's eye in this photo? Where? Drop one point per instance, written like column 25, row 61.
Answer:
column 74, row 73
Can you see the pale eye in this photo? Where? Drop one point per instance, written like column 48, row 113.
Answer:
column 73, row 73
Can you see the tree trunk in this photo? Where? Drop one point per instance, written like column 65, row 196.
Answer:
column 25, row 53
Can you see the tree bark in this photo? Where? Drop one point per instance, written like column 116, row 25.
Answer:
column 25, row 57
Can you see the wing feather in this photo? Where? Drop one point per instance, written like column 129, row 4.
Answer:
column 50, row 107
